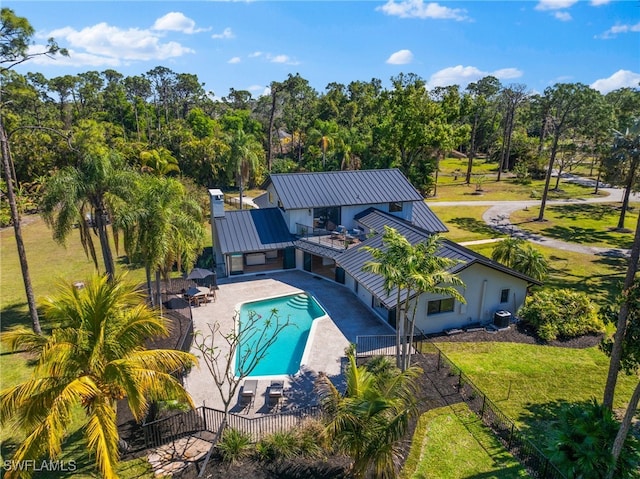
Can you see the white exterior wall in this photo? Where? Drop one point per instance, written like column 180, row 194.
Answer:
column 483, row 288
column 271, row 195
column 363, row 294
column 295, row 217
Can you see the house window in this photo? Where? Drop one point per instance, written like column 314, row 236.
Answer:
column 440, row 306
column 356, row 286
column 395, row 206
column 504, row 295
column 270, row 198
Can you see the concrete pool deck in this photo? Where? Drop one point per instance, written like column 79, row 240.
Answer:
column 348, row 317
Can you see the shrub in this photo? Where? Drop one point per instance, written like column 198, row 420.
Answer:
column 312, row 438
column 234, row 445
column 562, row 313
column 580, row 441
column 279, row 445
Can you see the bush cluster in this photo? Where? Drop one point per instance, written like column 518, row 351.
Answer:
column 308, row 440
column 561, row 314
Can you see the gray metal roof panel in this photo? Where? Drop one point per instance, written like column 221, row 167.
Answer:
column 318, row 249
column 354, row 259
column 424, row 218
column 342, row 188
column 252, row 230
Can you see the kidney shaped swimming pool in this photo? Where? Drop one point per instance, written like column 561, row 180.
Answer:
column 285, row 355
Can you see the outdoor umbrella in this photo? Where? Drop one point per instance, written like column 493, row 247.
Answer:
column 200, row 273
column 192, row 291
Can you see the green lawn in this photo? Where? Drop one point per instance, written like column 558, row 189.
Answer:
column 49, row 263
column 452, row 443
column 464, row 222
column 590, row 224
column 530, row 382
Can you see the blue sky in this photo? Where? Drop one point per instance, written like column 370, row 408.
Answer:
column 246, row 45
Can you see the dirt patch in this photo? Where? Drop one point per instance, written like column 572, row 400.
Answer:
column 518, row 333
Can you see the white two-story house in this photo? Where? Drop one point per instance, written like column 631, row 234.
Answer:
column 318, row 222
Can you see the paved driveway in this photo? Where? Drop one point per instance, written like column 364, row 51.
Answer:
column 348, row 317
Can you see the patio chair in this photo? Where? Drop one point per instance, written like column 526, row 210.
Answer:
column 212, row 293
column 276, row 393
column 248, row 393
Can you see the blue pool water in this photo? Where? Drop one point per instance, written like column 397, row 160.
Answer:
column 285, row 354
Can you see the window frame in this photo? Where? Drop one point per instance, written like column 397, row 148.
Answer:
column 396, row 206
column 439, row 302
column 503, row 292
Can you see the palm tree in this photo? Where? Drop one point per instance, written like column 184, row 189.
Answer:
column 531, row 262
column 162, row 226
column 428, row 273
column 94, row 357
column 158, row 162
column 387, row 262
column 507, row 250
column 368, row 420
column 244, row 156
column 75, row 195
column 411, row 270
column 517, row 254
column 323, row 134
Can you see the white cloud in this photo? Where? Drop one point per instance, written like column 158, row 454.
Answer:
column 562, row 16
column 620, row 79
column 117, row 45
column 401, row 57
column 176, row 22
column 281, row 59
column 226, row 34
column 597, row 3
column 75, row 59
column 255, row 54
column 418, row 9
column 616, row 29
column 555, row 4
column 506, row 73
column 234, row 60
column 461, row 75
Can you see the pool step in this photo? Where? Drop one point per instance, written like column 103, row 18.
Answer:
column 300, row 301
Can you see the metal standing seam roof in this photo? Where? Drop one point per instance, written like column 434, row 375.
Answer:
column 353, row 259
column 252, row 230
column 342, row 188
column 423, row 217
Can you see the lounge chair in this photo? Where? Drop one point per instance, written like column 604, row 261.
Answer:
column 248, row 393
column 276, row 392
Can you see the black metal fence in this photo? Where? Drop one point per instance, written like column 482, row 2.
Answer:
column 202, row 418
column 514, row 440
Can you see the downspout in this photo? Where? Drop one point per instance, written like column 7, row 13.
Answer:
column 482, row 298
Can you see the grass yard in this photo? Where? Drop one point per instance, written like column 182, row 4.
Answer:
column 464, row 222
column 49, row 263
column 530, row 382
column 507, row 190
column 590, row 224
column 452, row 443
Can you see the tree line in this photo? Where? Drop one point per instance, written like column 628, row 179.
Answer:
column 168, row 121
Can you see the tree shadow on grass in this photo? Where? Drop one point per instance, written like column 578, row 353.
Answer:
column 589, row 236
column 73, row 461
column 16, row 314
column 608, row 284
column 474, row 225
column 537, row 419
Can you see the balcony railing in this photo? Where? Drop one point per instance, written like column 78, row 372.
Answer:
column 337, row 239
